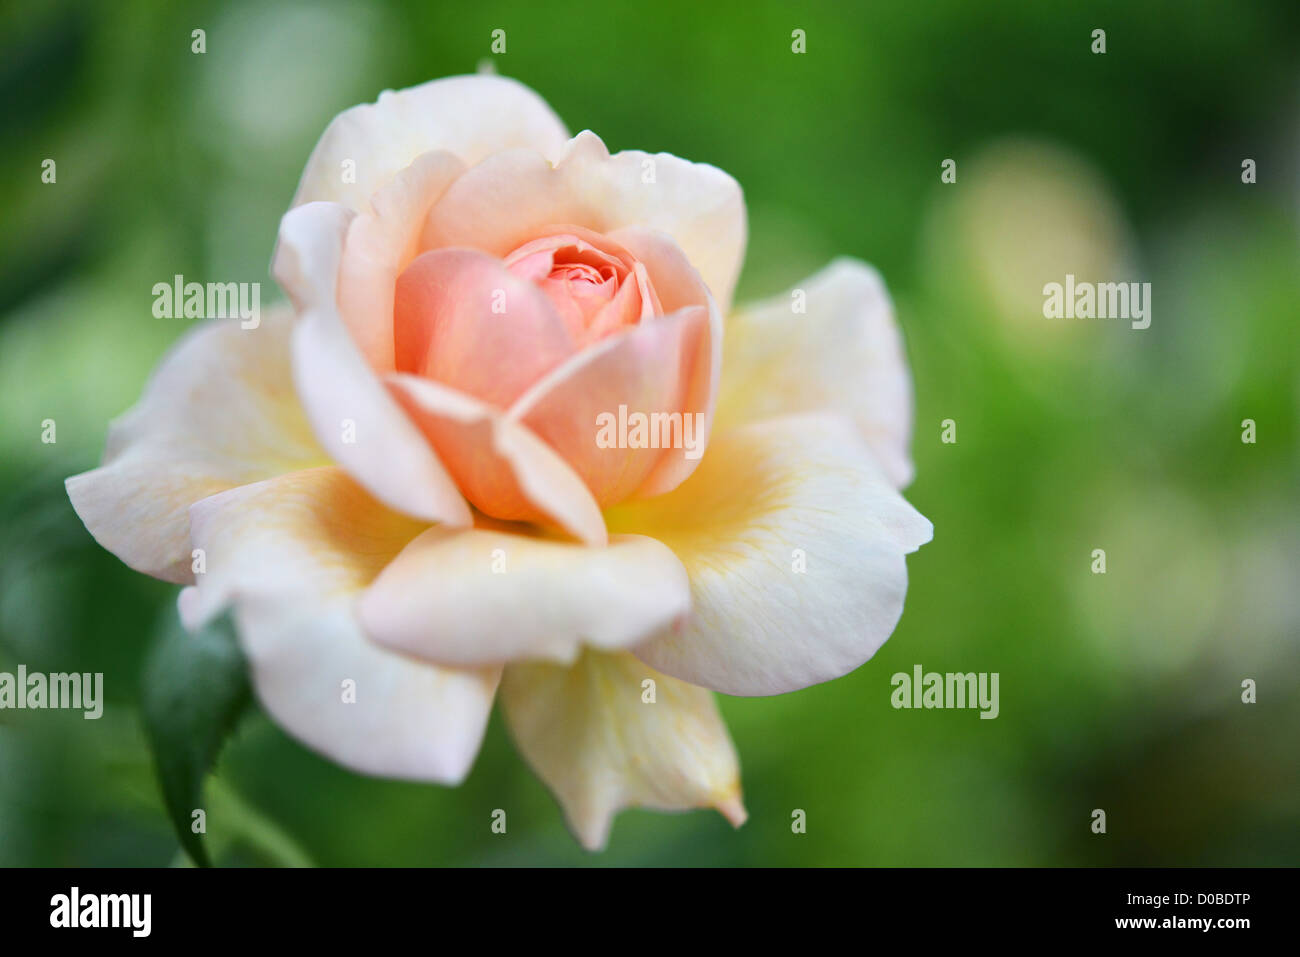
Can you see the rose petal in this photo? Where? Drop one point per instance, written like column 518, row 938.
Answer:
column 219, row 411
column 356, row 420
column 470, row 116
column 681, row 286
column 635, row 301
column 482, row 597
column 380, row 243
column 291, row 554
column 508, row 198
column 592, row 736
column 500, row 465
column 305, row 261
column 647, row 369
column 768, row 497
column 464, row 320
column 843, row 354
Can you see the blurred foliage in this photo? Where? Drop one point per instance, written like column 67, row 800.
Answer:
column 1119, row 691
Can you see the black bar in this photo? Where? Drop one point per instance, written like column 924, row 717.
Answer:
column 237, row 906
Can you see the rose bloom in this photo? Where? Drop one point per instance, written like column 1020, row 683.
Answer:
column 396, row 484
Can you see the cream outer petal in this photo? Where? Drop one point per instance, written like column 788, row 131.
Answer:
column 843, row 354
column 794, row 541
column 290, row 555
column 218, row 411
column 484, row 597
column 591, row 733
column 472, row 117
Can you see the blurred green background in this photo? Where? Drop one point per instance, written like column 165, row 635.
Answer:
column 1118, row 691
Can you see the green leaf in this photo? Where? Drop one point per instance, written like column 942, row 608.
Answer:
column 195, row 691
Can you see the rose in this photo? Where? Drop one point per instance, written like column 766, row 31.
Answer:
column 397, row 489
